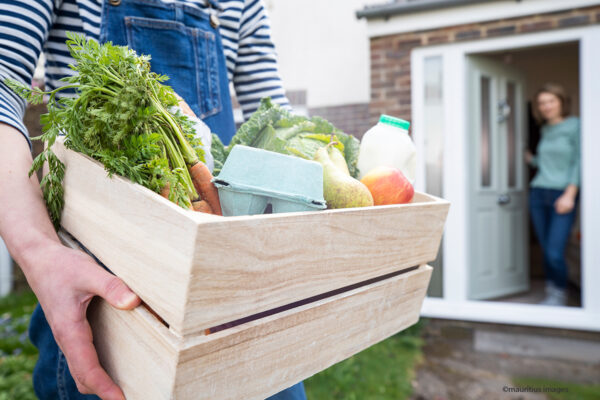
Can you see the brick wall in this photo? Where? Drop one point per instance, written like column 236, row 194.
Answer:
column 351, row 118
column 390, row 55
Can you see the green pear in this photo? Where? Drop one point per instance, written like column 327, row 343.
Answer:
column 338, row 159
column 340, row 190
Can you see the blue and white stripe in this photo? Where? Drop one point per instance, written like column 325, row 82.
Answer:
column 28, row 27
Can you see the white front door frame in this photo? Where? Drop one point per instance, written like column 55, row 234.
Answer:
column 454, row 304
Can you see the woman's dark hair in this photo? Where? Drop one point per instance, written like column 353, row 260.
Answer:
column 556, row 90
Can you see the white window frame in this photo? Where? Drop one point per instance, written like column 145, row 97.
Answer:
column 455, row 304
column 6, row 270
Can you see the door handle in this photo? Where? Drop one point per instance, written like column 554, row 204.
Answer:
column 503, row 111
column 503, row 199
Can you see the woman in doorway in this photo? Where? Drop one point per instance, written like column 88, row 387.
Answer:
column 554, row 189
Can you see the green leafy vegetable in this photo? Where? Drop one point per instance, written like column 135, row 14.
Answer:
column 121, row 116
column 276, row 129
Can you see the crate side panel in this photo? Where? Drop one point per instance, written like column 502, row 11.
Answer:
column 247, row 266
column 266, row 356
column 135, row 350
column 137, row 234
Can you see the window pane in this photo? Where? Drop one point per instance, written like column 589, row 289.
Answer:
column 486, row 153
column 511, row 135
column 434, row 159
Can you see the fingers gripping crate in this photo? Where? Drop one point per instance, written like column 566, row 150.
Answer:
column 248, row 305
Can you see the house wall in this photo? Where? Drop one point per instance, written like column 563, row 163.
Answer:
column 323, row 54
column 323, row 49
column 390, row 55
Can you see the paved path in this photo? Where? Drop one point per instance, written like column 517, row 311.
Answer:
column 452, row 369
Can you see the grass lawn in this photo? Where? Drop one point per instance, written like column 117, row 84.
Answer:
column 17, row 354
column 570, row 391
column 382, row 372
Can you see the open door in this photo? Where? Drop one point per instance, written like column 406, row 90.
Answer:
column 498, row 219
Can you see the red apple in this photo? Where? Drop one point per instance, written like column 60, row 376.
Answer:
column 388, row 186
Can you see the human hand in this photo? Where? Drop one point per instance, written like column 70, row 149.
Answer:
column 528, row 157
column 185, row 108
column 564, row 204
column 65, row 281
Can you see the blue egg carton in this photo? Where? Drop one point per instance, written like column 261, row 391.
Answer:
column 253, row 178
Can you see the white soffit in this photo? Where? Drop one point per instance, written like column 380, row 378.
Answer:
column 468, row 14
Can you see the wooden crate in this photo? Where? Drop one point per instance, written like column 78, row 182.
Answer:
column 283, row 295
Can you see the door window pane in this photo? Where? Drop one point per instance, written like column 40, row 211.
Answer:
column 433, row 125
column 486, row 142
column 511, row 130
column 434, row 150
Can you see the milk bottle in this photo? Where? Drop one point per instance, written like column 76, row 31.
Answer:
column 388, row 144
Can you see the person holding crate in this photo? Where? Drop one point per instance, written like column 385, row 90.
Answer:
column 240, row 51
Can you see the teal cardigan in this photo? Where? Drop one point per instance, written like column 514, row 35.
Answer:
column 558, row 156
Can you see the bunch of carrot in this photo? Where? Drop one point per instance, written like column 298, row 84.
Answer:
column 207, row 197
column 197, row 178
column 120, row 115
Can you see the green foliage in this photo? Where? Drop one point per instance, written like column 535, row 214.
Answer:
column 15, row 377
column 121, row 117
column 15, row 312
column 17, row 354
column 274, row 128
column 381, row 372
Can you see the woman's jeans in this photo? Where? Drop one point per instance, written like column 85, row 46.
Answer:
column 553, row 231
column 51, row 377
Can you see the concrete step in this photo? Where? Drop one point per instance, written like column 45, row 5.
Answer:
column 541, row 346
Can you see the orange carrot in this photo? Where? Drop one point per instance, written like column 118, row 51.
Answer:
column 202, row 206
column 164, row 192
column 202, row 177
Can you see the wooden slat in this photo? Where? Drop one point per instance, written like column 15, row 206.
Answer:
column 259, row 358
column 139, row 352
column 256, row 264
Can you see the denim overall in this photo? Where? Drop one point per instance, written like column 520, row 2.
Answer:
column 185, row 44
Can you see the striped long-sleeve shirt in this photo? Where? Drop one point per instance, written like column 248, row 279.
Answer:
column 28, row 27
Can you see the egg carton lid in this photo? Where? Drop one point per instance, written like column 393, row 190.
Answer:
column 258, row 191
column 267, row 173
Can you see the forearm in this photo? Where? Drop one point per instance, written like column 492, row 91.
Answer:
column 571, row 191
column 24, row 222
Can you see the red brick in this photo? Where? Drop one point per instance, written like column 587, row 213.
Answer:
column 396, row 74
column 501, row 30
column 377, row 95
column 537, row 26
column 436, row 39
column 381, row 104
column 396, row 54
column 382, row 84
column 398, row 93
column 469, row 34
column 378, row 64
column 379, row 43
column 408, row 43
column 574, row 20
column 376, row 74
